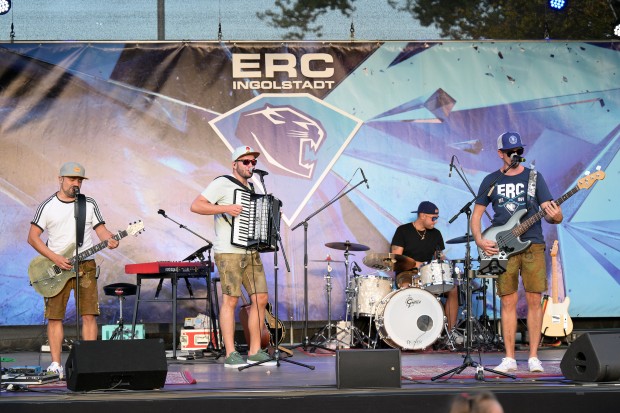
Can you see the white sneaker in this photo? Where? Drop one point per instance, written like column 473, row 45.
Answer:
column 535, row 365
column 56, row 369
column 507, row 364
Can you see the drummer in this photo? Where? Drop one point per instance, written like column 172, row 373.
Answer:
column 421, row 241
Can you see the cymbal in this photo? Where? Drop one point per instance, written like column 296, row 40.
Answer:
column 347, row 246
column 326, row 261
column 388, row 261
column 460, row 240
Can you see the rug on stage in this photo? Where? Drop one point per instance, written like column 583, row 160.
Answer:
column 172, row 378
column 552, row 369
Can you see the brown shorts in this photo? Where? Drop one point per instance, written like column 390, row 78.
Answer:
column 238, row 269
column 531, row 264
column 56, row 306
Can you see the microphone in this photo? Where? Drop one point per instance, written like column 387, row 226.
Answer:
column 76, row 190
column 517, row 158
column 356, row 268
column 451, row 165
column 161, row 212
column 260, row 172
column 367, row 187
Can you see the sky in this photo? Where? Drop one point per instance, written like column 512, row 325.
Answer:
column 66, row 20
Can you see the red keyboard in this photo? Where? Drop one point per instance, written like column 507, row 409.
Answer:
column 162, row 267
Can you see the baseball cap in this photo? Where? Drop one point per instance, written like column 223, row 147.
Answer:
column 509, row 140
column 244, row 150
column 73, row 169
column 427, row 207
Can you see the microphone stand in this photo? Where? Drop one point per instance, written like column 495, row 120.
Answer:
column 306, row 341
column 76, row 263
column 199, row 254
column 469, row 274
column 276, row 228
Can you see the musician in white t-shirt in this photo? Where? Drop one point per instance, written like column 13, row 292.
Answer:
column 236, row 266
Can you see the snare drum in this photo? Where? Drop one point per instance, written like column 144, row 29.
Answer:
column 409, row 319
column 436, row 277
column 371, row 288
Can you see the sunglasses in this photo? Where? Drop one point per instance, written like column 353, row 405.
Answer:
column 434, row 218
column 517, row 151
column 246, row 162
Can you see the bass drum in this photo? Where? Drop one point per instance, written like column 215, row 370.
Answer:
column 409, row 319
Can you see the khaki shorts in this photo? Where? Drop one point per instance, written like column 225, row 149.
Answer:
column 56, row 306
column 531, row 264
column 238, row 269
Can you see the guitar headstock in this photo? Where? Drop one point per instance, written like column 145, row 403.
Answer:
column 136, row 228
column 587, row 181
column 554, row 249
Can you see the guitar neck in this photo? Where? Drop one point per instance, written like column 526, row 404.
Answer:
column 87, row 253
column 525, row 225
column 554, row 278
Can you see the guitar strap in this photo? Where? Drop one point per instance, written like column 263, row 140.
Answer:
column 81, row 221
column 531, row 189
column 236, row 181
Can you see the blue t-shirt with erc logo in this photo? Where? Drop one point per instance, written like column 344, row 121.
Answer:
column 510, row 195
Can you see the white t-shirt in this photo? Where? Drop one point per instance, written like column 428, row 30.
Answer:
column 221, row 192
column 58, row 218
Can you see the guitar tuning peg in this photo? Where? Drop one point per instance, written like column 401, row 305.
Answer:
column 598, row 167
column 586, row 173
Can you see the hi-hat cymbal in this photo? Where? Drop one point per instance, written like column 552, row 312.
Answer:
column 388, row 261
column 325, row 260
column 460, row 240
column 347, row 246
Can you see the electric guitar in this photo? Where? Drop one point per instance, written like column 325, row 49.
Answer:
column 48, row 279
column 507, row 236
column 556, row 321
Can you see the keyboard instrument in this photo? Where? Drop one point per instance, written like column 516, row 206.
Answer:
column 255, row 228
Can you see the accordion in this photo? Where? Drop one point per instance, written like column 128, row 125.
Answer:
column 256, row 227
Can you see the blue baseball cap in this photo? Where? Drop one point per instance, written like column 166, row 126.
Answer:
column 427, row 207
column 509, row 140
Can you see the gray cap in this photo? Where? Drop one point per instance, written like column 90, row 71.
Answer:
column 73, row 169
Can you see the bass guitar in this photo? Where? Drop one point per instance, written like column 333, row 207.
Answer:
column 48, row 279
column 556, row 321
column 507, row 236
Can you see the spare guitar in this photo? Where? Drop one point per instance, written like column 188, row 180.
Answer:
column 48, row 279
column 556, row 321
column 507, row 235
column 267, row 332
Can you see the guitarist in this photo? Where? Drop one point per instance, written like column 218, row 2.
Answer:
column 236, row 266
column 509, row 195
column 57, row 215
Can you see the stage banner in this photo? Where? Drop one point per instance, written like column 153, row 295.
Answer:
column 155, row 123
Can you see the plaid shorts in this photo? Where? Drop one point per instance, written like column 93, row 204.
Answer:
column 56, row 306
column 531, row 264
column 241, row 269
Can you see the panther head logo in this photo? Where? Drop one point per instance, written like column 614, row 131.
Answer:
column 280, row 132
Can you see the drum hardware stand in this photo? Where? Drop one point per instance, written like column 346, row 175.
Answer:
column 326, row 340
column 468, row 361
column 276, row 352
column 214, row 350
column 306, row 341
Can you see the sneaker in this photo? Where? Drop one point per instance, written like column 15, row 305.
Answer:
column 535, row 365
column 56, row 368
column 234, row 361
column 507, row 364
column 261, row 355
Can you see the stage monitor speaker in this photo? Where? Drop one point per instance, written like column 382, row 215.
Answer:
column 368, row 368
column 116, row 364
column 592, row 357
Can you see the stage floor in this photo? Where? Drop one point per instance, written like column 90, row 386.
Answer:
column 291, row 386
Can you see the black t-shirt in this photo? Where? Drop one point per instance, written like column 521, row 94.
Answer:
column 422, row 250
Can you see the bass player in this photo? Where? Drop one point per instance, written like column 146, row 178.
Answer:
column 520, row 188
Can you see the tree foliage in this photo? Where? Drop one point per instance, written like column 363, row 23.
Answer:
column 466, row 19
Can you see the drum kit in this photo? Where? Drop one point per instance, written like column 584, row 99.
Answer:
column 409, row 318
